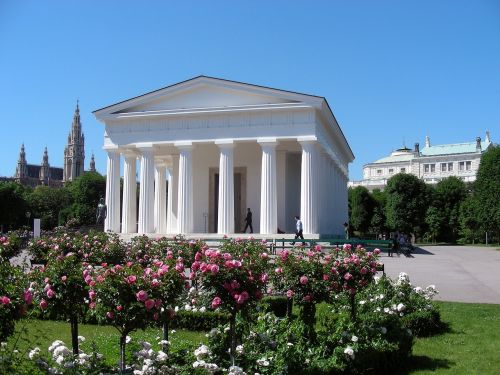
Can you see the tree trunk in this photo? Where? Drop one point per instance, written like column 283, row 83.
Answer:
column 123, row 342
column 232, row 335
column 74, row 333
column 165, row 334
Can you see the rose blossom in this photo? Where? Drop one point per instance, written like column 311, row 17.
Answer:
column 92, row 295
column 50, row 293
column 110, row 315
column 4, row 300
column 214, row 268
column 131, row 279
column 278, row 270
column 141, row 296
column 216, row 302
column 149, row 304
column 264, row 277
column 304, row 280
column 289, row 293
column 64, row 278
column 28, row 297
column 43, row 304
column 119, row 308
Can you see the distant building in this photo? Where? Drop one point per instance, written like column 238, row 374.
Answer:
column 431, row 164
column 43, row 174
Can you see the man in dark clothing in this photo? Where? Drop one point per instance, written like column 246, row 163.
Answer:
column 248, row 221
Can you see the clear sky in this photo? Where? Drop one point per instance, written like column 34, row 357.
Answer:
column 392, row 71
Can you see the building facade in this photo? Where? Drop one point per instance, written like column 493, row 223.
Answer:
column 225, row 146
column 43, row 174
column 431, row 164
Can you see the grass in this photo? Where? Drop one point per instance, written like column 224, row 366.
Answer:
column 470, row 346
column 40, row 333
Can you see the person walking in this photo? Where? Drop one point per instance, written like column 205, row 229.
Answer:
column 298, row 231
column 248, row 221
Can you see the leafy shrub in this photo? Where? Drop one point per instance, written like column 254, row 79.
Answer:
column 278, row 305
column 198, row 321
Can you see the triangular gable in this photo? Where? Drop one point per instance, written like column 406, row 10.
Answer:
column 207, row 92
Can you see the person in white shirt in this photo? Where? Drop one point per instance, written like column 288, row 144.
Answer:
column 298, row 231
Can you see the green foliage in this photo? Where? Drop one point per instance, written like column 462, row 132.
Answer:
column 361, row 207
column 86, row 191
column 13, row 205
column 278, row 305
column 46, row 203
column 12, row 304
column 198, row 321
column 487, row 191
column 407, row 201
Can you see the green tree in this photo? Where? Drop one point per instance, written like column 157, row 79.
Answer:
column 434, row 218
column 361, row 206
column 469, row 226
column 449, row 195
column 378, row 220
column 13, row 205
column 407, row 202
column 46, row 203
column 86, row 191
column 487, row 192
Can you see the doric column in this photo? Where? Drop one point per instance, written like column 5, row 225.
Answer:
column 129, row 207
column 146, row 191
column 173, row 184
column 309, row 187
column 112, row 222
column 225, row 218
column 185, row 190
column 268, row 196
column 160, row 205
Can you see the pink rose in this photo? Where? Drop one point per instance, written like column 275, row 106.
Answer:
column 197, row 256
column 264, row 255
column 326, row 277
column 92, row 295
column 28, row 297
column 216, row 302
column 119, row 308
column 131, row 279
column 156, row 316
column 64, row 278
column 50, row 293
column 376, row 251
column 158, row 303
column 289, row 293
column 149, row 304
column 43, row 304
column 235, row 284
column 92, row 305
column 214, row 268
column 364, row 271
column 347, row 276
column 141, row 296
column 264, row 277
column 4, row 300
column 110, row 315
column 278, row 270
column 47, row 280
column 317, row 248
column 155, row 283
column 304, row 280
column 308, row 298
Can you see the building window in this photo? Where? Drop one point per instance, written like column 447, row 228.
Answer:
column 450, row 167
column 468, row 165
column 426, row 168
column 379, row 171
column 391, row 171
column 429, row 168
column 403, row 170
column 461, row 166
column 433, row 168
column 443, row 167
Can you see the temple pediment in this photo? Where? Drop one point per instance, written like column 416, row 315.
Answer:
column 206, row 93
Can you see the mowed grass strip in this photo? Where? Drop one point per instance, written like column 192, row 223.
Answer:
column 41, row 333
column 471, row 345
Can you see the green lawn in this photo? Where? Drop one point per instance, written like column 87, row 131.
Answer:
column 470, row 346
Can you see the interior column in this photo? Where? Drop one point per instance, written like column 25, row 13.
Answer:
column 129, row 209
column 146, row 191
column 160, row 207
column 268, row 196
column 185, row 190
column 173, row 178
column 225, row 220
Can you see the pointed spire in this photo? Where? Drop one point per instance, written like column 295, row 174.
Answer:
column 487, row 139
column 45, row 159
column 92, row 163
column 22, row 167
column 427, row 141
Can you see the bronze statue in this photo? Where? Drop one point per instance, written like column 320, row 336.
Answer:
column 102, row 211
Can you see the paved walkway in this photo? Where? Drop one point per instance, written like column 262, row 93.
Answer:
column 460, row 273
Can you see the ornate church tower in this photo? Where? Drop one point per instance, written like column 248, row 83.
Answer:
column 74, row 153
column 22, row 165
column 45, row 169
column 92, row 163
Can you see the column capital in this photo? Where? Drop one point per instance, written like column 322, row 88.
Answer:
column 112, row 150
column 307, row 140
column 184, row 145
column 267, row 141
column 129, row 154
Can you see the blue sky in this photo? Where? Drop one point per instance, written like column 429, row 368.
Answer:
column 392, row 71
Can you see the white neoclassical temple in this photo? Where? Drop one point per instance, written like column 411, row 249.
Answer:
column 209, row 148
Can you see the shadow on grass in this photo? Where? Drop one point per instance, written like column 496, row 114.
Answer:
column 422, row 362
